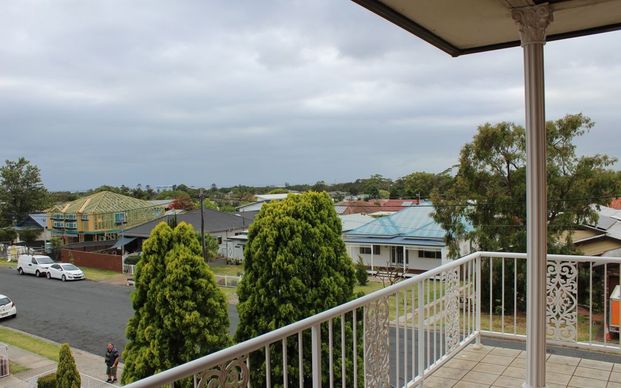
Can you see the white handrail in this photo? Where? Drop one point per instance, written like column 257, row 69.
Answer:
column 260, row 342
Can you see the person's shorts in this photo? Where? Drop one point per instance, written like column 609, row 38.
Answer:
column 110, row 370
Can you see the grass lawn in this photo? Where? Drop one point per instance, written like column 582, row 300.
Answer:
column 16, row 368
column 230, row 294
column 220, row 268
column 9, row 264
column 99, row 274
column 31, row 344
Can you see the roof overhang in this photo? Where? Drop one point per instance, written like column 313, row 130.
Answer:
column 461, row 27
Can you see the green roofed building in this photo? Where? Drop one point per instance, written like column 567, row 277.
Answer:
column 100, row 216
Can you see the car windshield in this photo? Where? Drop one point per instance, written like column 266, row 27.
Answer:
column 4, row 301
column 70, row 267
column 44, row 260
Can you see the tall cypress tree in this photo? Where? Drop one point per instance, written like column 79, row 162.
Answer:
column 295, row 265
column 180, row 313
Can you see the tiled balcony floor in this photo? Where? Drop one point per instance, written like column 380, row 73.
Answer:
column 501, row 367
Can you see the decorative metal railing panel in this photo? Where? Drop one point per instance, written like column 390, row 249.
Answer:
column 562, row 300
column 376, row 344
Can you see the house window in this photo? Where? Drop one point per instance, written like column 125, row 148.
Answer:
column 219, row 239
column 84, row 217
column 396, row 255
column 376, row 249
column 365, row 250
column 119, row 218
column 430, row 254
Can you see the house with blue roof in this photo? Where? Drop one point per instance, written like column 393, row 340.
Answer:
column 409, row 239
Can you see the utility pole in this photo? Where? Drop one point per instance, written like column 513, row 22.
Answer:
column 202, row 199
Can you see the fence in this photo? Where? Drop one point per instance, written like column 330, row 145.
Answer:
column 581, row 310
column 228, row 281
column 399, row 335
column 93, row 260
column 129, row 269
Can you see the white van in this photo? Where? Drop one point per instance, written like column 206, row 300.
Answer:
column 33, row 264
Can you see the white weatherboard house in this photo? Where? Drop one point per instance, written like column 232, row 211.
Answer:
column 409, row 239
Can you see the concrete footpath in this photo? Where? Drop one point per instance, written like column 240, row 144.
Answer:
column 92, row 367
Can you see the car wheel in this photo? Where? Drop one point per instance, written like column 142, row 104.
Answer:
column 63, row 278
column 20, row 271
column 37, row 273
column 49, row 275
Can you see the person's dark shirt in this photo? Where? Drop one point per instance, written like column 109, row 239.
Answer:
column 111, row 355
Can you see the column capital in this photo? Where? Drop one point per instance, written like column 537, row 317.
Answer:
column 532, row 22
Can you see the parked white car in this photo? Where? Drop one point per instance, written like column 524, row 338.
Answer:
column 64, row 271
column 33, row 264
column 7, row 307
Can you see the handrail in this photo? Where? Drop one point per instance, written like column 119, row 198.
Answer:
column 256, row 343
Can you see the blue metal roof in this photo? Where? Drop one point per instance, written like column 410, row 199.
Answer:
column 411, row 222
column 393, row 241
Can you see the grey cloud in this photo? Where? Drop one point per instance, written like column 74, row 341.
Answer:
column 262, row 92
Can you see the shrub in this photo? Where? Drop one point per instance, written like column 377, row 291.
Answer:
column 132, row 259
column 48, row 381
column 67, row 375
column 361, row 272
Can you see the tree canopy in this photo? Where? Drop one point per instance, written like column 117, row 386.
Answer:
column 295, row 265
column 180, row 313
column 21, row 191
column 489, row 191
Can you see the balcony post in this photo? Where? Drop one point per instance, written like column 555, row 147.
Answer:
column 316, row 355
column 477, row 282
column 532, row 22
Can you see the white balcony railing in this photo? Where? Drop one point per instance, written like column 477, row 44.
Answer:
column 399, row 335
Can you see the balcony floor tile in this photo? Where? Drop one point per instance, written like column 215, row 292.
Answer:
column 506, row 368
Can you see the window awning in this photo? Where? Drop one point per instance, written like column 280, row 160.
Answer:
column 461, row 27
column 122, row 242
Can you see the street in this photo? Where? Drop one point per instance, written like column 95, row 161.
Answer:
column 86, row 314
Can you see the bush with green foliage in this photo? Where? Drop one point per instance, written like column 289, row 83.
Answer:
column 132, row 259
column 47, row 381
column 179, row 312
column 7, row 235
column 67, row 375
column 295, row 265
column 211, row 245
column 361, row 272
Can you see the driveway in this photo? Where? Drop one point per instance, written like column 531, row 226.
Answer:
column 86, row 314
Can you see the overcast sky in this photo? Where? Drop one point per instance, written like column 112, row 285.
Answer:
column 263, row 92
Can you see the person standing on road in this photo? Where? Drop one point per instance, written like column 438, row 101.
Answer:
column 112, row 361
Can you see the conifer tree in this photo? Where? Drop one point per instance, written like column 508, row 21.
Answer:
column 180, row 313
column 295, row 265
column 67, row 375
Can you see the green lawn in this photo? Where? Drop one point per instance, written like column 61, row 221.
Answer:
column 220, row 268
column 99, row 274
column 31, row 344
column 230, row 294
column 10, row 264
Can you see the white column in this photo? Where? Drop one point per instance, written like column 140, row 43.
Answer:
column 371, row 258
column 532, row 23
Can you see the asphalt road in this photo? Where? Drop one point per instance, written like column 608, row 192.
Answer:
column 86, row 314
